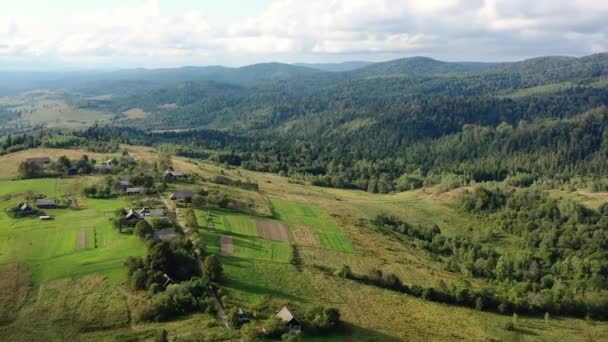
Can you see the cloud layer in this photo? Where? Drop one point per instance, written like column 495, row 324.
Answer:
column 313, row 30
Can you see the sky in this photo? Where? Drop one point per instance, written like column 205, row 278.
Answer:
column 92, row 34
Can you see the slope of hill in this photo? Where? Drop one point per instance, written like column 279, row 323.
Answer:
column 336, row 67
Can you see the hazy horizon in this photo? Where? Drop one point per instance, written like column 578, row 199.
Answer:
column 113, row 34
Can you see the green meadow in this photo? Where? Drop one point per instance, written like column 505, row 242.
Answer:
column 243, row 230
column 299, row 214
column 51, row 248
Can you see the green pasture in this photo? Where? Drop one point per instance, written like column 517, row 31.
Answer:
column 50, row 247
column 300, row 214
column 243, row 230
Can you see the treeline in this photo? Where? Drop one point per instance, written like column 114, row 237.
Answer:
column 560, row 266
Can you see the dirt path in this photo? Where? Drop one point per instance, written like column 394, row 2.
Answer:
column 81, row 242
column 226, row 245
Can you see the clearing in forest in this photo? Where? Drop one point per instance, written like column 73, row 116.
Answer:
column 271, row 230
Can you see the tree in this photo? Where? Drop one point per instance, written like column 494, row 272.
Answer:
column 162, row 336
column 28, row 169
column 212, row 268
column 249, row 332
column 143, row 229
column 191, row 221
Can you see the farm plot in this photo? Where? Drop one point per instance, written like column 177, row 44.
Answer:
column 226, row 245
column 74, row 243
column 300, row 214
column 240, row 224
column 272, row 230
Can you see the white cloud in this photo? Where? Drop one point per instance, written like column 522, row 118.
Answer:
column 315, row 29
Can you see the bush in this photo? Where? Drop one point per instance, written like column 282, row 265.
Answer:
column 143, row 230
column 212, row 268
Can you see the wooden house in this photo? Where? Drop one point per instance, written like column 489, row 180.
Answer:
column 46, row 203
column 289, row 319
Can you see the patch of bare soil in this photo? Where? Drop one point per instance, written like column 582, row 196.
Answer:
column 271, row 230
column 226, row 245
column 81, row 242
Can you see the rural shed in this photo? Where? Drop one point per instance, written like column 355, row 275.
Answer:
column 183, row 195
column 24, row 209
column 39, row 160
column 103, row 168
column 124, row 185
column 164, row 234
column 136, row 191
column 289, row 319
column 132, row 215
column 170, row 174
column 46, row 203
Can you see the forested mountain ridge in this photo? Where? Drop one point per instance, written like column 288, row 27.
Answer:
column 351, row 129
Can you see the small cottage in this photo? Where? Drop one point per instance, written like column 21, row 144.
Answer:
column 124, row 185
column 289, row 319
column 182, row 195
column 46, row 203
column 24, row 209
column 103, row 168
column 132, row 215
column 171, row 175
column 135, row 191
column 164, row 234
column 39, row 160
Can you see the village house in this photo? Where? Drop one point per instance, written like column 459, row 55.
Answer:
column 46, row 203
column 103, row 168
column 39, row 160
column 124, row 185
column 24, row 209
column 164, row 234
column 147, row 212
column 173, row 175
column 182, row 195
column 289, row 319
column 135, row 191
column 132, row 215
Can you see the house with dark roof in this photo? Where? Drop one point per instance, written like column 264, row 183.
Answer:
column 132, row 215
column 103, row 168
column 24, row 209
column 135, row 191
column 39, row 160
column 124, row 185
column 46, row 203
column 182, row 195
column 147, row 212
column 171, row 175
column 289, row 319
column 164, row 234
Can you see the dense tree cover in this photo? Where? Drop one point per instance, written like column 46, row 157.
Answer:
column 561, row 265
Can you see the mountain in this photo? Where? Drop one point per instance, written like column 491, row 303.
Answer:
column 419, row 66
column 336, row 67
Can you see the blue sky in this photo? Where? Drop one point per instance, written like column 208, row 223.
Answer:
column 43, row 34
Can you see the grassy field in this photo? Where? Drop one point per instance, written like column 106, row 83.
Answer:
column 52, row 290
column 244, row 234
column 311, row 217
column 9, row 164
column 49, row 109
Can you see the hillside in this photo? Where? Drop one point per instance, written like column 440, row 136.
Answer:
column 58, row 284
